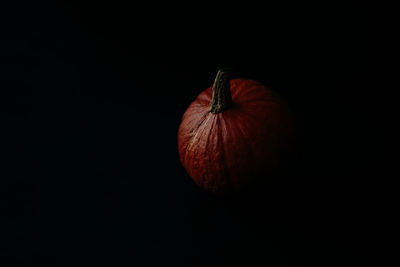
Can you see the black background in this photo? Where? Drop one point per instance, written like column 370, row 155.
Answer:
column 92, row 94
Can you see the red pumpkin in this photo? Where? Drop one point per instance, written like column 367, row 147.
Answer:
column 234, row 135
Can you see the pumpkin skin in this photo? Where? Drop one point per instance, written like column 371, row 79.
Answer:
column 240, row 147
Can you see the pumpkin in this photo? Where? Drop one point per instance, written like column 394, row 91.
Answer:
column 236, row 134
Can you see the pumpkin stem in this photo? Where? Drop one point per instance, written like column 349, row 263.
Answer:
column 221, row 92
